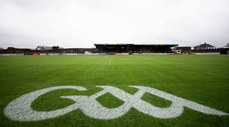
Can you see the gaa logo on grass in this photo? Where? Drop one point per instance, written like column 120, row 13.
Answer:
column 20, row 108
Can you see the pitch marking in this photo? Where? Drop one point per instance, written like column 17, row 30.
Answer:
column 201, row 71
column 110, row 62
column 20, row 108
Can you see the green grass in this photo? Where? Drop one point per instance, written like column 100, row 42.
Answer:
column 200, row 78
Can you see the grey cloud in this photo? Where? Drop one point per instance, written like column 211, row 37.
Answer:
column 80, row 23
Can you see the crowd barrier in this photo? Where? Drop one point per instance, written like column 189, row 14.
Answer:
column 11, row 54
column 152, row 53
column 35, row 53
column 212, row 53
column 14, row 54
column 121, row 54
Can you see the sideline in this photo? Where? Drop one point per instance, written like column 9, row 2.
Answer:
column 110, row 62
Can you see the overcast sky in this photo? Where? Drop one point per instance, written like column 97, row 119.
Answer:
column 81, row 23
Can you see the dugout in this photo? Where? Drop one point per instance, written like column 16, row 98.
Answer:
column 134, row 48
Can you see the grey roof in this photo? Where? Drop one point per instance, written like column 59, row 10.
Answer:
column 204, row 45
column 44, row 48
column 141, row 44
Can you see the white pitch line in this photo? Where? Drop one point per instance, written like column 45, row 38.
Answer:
column 210, row 73
column 110, row 62
column 206, row 72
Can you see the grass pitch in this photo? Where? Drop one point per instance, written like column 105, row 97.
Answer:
column 203, row 79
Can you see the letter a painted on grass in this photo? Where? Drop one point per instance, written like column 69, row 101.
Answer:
column 20, row 108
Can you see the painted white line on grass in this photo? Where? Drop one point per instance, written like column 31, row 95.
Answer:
column 206, row 72
column 20, row 108
column 110, row 62
column 215, row 74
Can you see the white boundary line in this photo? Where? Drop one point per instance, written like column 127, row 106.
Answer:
column 206, row 72
column 215, row 74
column 110, row 62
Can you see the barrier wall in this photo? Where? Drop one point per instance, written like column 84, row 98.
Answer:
column 152, row 53
column 121, row 54
column 12, row 54
column 212, row 53
column 35, row 53
column 216, row 53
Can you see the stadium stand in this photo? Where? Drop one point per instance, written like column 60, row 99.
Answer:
column 134, row 48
